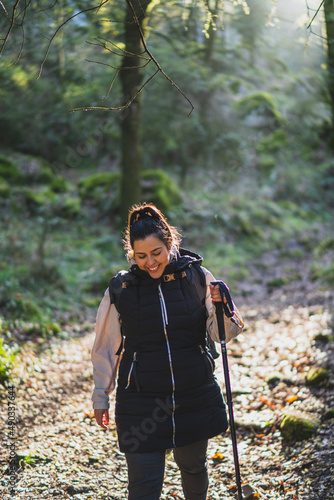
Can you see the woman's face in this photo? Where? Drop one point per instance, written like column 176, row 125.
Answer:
column 151, row 255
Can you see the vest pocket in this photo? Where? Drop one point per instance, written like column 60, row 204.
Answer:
column 133, row 373
column 209, row 361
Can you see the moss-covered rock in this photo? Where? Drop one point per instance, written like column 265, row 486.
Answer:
column 68, row 207
column 9, row 171
column 323, row 337
column 59, row 185
column 102, row 189
column 316, row 375
column 160, row 189
column 273, row 378
column 329, row 414
column 260, row 104
column 35, row 170
column 104, row 180
column 36, row 198
column 297, row 426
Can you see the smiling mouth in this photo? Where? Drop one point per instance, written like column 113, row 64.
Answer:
column 153, row 269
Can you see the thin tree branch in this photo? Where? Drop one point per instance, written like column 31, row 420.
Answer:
column 316, row 13
column 159, row 68
column 12, row 22
column 104, row 46
column 119, row 108
column 118, row 68
column 4, row 8
column 61, row 26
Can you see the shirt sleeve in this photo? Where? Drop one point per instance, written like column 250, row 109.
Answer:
column 233, row 325
column 105, row 361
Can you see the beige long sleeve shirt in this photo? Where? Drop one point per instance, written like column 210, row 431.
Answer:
column 108, row 340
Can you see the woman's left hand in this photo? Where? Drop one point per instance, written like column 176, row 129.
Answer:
column 215, row 294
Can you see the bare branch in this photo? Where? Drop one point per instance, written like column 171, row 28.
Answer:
column 62, row 25
column 4, row 8
column 119, row 108
column 104, row 46
column 316, row 13
column 159, row 68
column 117, row 68
column 11, row 26
column 150, row 58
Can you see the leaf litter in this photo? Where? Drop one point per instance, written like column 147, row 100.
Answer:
column 63, row 454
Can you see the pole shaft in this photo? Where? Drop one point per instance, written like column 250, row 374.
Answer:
column 222, row 336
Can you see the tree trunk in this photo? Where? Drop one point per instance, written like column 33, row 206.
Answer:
column 329, row 20
column 212, row 30
column 131, row 119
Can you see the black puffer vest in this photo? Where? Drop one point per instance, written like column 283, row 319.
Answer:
column 167, row 394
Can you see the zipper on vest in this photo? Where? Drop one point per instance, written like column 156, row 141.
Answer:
column 207, row 359
column 165, row 323
column 134, row 359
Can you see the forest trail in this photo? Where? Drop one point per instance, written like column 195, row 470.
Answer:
column 65, row 455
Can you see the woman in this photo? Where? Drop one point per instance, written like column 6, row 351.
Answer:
column 151, row 328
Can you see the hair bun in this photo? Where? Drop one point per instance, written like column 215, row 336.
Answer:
column 142, row 213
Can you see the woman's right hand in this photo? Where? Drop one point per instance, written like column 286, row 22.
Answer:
column 102, row 418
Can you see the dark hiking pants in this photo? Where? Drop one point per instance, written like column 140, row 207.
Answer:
column 146, row 472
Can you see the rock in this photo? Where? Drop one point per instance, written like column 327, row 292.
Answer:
column 316, row 376
column 297, row 426
column 323, row 337
column 329, row 414
column 75, row 489
column 273, row 378
column 248, row 492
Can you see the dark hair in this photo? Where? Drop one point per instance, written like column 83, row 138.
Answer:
column 146, row 220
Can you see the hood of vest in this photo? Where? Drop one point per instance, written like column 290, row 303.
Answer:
column 182, row 260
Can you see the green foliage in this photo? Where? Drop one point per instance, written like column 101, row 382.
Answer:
column 42, row 329
column 9, row 171
column 4, row 189
column 266, row 163
column 68, row 207
column 7, row 360
column 30, row 459
column 325, row 244
column 322, row 272
column 22, row 308
column 273, row 142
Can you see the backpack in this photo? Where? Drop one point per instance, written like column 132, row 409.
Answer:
column 195, row 275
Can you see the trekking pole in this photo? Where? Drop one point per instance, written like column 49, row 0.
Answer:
column 227, row 307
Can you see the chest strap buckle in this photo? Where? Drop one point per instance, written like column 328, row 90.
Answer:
column 172, row 277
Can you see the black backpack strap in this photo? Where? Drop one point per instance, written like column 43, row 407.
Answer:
column 196, row 276
column 123, row 279
column 199, row 281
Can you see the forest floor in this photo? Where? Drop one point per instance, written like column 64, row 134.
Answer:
column 64, row 454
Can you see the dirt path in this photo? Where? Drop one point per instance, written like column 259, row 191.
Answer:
column 68, row 456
